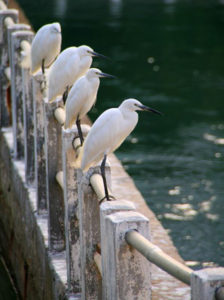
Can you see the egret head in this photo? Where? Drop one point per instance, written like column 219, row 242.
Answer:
column 55, row 28
column 94, row 72
column 87, row 51
column 133, row 105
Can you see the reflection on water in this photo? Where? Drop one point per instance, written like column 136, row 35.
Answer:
column 60, row 8
column 169, row 55
column 116, row 8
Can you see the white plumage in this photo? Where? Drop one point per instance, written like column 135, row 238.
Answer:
column 109, row 131
column 107, row 134
column 71, row 64
column 46, row 46
column 82, row 96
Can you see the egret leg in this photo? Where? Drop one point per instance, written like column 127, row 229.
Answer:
column 65, row 94
column 78, row 124
column 44, row 82
column 102, row 168
column 42, row 67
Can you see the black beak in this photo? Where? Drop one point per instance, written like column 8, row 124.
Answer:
column 98, row 54
column 146, row 108
column 106, row 75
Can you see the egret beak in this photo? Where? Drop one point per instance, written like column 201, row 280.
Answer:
column 98, row 54
column 106, row 75
column 146, row 108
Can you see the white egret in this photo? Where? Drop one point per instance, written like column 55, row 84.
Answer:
column 71, row 64
column 82, row 97
column 45, row 47
column 107, row 133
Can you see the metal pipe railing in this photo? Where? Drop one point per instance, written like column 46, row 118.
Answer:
column 7, row 72
column 76, row 145
column 25, row 46
column 8, row 22
column 59, row 178
column 97, row 259
column 25, row 54
column 96, row 182
column 155, row 255
column 59, row 114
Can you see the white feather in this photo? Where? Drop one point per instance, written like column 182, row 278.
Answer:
column 46, row 46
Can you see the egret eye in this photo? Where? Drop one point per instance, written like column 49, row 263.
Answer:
column 56, row 30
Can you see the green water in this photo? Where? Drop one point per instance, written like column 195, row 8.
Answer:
column 169, row 55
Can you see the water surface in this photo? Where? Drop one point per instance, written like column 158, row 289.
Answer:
column 169, row 55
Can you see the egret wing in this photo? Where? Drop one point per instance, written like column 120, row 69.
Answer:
column 36, row 52
column 60, row 73
column 75, row 101
column 106, row 134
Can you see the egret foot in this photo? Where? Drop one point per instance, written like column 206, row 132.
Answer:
column 108, row 198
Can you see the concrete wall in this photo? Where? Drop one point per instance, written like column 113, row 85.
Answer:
column 23, row 234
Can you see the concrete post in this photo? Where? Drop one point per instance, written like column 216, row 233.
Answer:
column 72, row 236
column 205, row 282
column 89, row 229
column 39, row 140
column 106, row 209
column 71, row 212
column 5, row 102
column 16, row 89
column 28, row 121
column 126, row 269
column 55, row 200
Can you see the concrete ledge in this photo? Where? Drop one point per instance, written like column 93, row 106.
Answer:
column 39, row 274
column 164, row 286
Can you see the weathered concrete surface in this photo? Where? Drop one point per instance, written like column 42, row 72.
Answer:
column 39, row 274
column 164, row 286
column 205, row 282
column 125, row 266
column 23, row 234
